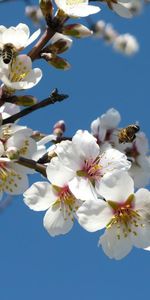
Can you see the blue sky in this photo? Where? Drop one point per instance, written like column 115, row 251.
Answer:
column 34, row 265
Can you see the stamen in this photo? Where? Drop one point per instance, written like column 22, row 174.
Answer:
column 125, row 218
column 66, row 202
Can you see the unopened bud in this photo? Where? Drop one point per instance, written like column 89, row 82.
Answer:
column 59, row 128
column 46, row 7
column 24, row 100
column 77, row 30
column 56, row 61
column 109, row 34
column 12, row 153
column 60, row 43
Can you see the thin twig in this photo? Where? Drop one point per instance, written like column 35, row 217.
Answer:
column 55, row 97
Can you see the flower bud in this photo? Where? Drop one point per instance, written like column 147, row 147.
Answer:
column 59, row 44
column 46, row 7
column 77, row 30
column 12, row 153
column 56, row 61
column 99, row 28
column 59, row 128
column 109, row 34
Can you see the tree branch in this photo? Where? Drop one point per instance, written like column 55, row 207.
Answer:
column 55, row 97
column 47, row 35
column 32, row 164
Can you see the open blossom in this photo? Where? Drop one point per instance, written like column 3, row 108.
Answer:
column 18, row 36
column 15, row 141
column 20, row 75
column 137, row 153
column 60, row 203
column 124, row 214
column 77, row 8
column 126, row 44
column 84, row 165
column 103, row 127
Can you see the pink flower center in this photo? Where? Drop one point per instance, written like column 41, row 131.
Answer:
column 125, row 219
column 66, row 201
column 91, row 169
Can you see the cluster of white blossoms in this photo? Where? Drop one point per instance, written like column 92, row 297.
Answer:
column 126, row 43
column 92, row 176
column 91, row 180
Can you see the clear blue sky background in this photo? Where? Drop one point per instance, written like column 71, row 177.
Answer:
column 32, row 264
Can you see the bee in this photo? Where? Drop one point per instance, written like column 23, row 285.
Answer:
column 128, row 134
column 8, row 53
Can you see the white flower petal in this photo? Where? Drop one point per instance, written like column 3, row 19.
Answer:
column 113, row 160
column 39, row 196
column 114, row 247
column 33, row 37
column 55, row 223
column 121, row 10
column 142, row 237
column 85, row 145
column 82, row 188
column 119, row 189
column 57, row 173
column 94, row 215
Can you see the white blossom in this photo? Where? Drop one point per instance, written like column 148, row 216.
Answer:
column 137, row 153
column 77, row 8
column 125, row 215
column 20, row 75
column 103, row 127
column 59, row 202
column 126, row 44
column 13, row 177
column 18, row 36
column 84, row 165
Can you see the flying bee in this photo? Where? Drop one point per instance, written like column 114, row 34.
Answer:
column 128, row 134
column 8, row 53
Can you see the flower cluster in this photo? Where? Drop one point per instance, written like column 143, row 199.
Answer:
column 123, row 43
column 92, row 177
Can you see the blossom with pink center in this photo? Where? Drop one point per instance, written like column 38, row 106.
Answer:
column 123, row 213
column 84, row 166
column 137, row 153
column 60, row 203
